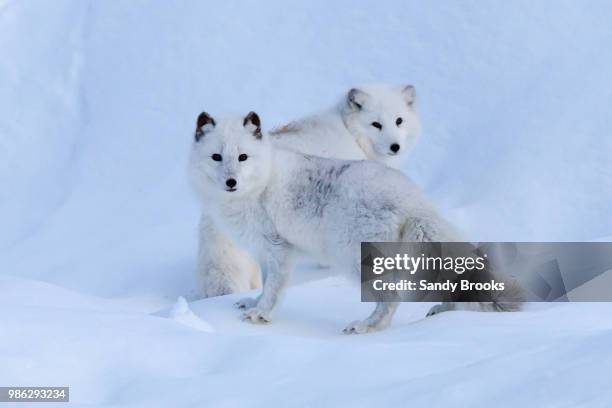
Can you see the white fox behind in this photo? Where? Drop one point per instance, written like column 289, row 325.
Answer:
column 277, row 203
column 373, row 122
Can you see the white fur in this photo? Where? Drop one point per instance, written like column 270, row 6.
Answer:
column 343, row 132
column 287, row 203
column 229, row 269
column 346, row 131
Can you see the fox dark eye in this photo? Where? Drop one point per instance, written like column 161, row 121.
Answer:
column 399, row 121
column 377, row 125
column 216, row 157
column 242, row 157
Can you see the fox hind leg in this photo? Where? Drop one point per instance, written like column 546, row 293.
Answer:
column 379, row 319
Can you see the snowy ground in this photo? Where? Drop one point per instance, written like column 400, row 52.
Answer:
column 97, row 225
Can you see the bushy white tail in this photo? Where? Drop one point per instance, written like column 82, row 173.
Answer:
column 429, row 227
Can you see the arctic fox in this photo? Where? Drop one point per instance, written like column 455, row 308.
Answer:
column 277, row 203
column 372, row 122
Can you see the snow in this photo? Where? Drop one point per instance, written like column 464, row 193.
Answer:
column 98, row 226
column 180, row 312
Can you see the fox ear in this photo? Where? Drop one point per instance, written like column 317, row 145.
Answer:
column 205, row 123
column 356, row 98
column 409, row 94
column 252, row 122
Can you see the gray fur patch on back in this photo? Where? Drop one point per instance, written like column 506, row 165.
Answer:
column 378, row 207
column 318, row 187
column 379, row 212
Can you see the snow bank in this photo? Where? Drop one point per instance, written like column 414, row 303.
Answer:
column 113, row 356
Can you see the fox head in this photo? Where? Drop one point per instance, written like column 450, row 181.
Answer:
column 230, row 156
column 382, row 119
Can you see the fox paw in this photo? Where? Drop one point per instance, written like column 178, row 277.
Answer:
column 359, row 327
column 245, row 303
column 257, row 316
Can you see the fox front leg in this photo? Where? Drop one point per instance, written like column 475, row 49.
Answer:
column 278, row 265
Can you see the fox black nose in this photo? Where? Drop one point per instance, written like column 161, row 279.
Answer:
column 231, row 183
column 394, row 147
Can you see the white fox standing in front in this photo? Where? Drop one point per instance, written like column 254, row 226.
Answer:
column 373, row 122
column 277, row 203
